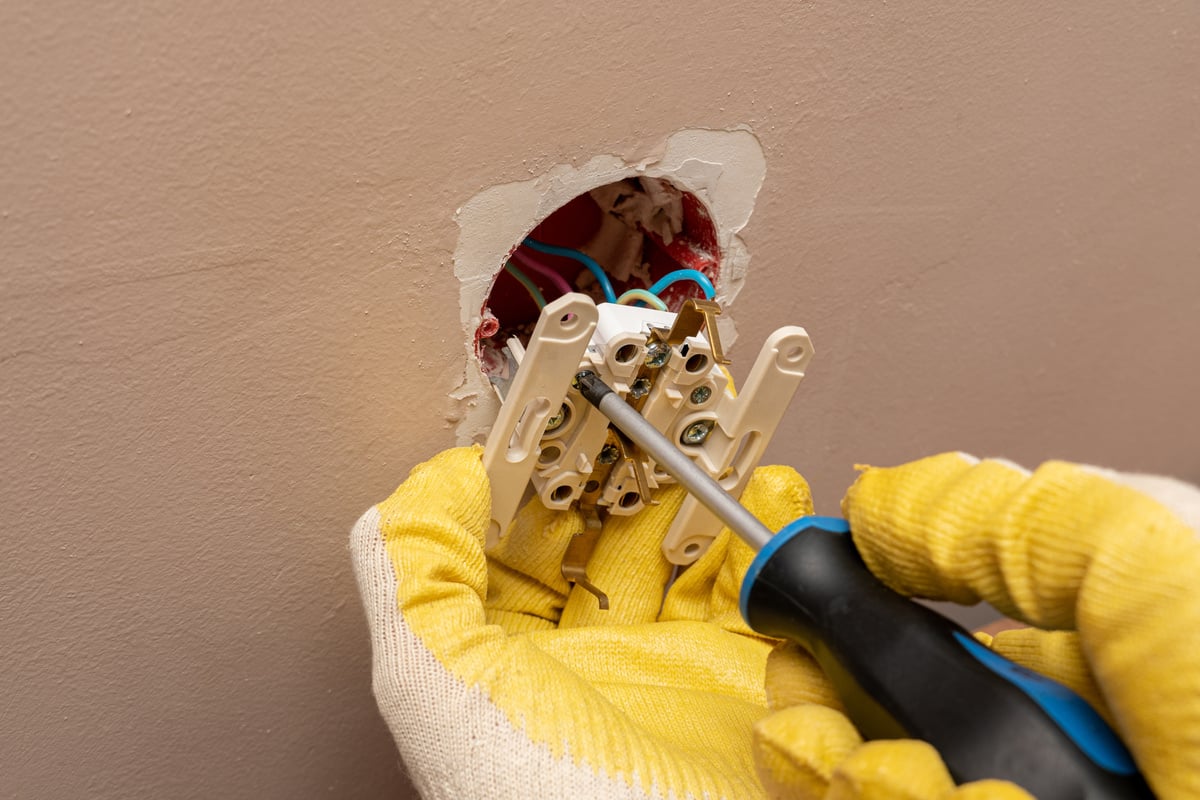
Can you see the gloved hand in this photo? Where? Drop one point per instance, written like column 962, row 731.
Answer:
column 1105, row 563
column 497, row 681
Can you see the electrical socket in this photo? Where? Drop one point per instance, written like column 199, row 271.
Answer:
column 549, row 442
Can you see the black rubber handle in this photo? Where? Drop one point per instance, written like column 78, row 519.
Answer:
column 904, row 671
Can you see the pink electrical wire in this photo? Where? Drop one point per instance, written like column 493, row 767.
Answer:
column 543, row 271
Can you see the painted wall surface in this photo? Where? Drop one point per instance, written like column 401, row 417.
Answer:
column 229, row 319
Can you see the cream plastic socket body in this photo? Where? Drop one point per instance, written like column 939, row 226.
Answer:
column 549, row 442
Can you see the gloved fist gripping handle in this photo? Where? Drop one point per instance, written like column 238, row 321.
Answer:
column 1104, row 563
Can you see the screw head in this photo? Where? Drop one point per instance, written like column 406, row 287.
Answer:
column 657, row 354
column 697, row 432
column 608, row 454
column 556, row 421
column 700, row 395
column 639, row 389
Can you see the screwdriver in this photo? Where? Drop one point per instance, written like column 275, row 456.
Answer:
column 901, row 669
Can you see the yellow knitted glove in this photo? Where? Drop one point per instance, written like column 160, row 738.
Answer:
column 1107, row 563
column 499, row 681
column 808, row 750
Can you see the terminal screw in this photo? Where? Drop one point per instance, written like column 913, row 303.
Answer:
column 640, row 388
column 657, row 354
column 555, row 422
column 697, row 432
column 608, row 454
column 700, row 395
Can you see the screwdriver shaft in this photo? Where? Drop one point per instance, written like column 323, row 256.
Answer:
column 673, row 461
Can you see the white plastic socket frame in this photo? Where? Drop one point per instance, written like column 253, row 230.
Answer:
column 548, row 439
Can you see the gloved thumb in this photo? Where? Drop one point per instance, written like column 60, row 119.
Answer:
column 434, row 527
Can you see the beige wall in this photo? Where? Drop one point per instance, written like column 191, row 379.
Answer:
column 229, row 319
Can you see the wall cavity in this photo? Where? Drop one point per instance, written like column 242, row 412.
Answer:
column 724, row 169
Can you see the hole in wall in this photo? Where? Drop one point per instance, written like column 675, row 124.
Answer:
column 636, row 231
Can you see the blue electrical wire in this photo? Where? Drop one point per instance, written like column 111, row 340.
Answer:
column 694, row 275
column 587, row 261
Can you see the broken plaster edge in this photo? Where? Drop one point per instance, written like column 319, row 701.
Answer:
column 724, row 168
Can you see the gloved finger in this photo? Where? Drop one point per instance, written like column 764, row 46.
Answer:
column 899, row 769
column 690, row 596
column 989, row 790
column 1065, row 547
column 814, row 753
column 628, row 565
column 710, row 589
column 1057, row 655
column 906, row 769
column 796, row 750
column 776, row 495
column 433, row 529
column 526, row 589
column 793, row 678
column 909, row 525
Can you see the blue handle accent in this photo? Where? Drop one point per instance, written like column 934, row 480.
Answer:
column 1074, row 716
column 831, row 524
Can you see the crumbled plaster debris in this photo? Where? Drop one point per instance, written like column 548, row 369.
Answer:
column 649, row 204
column 724, row 169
